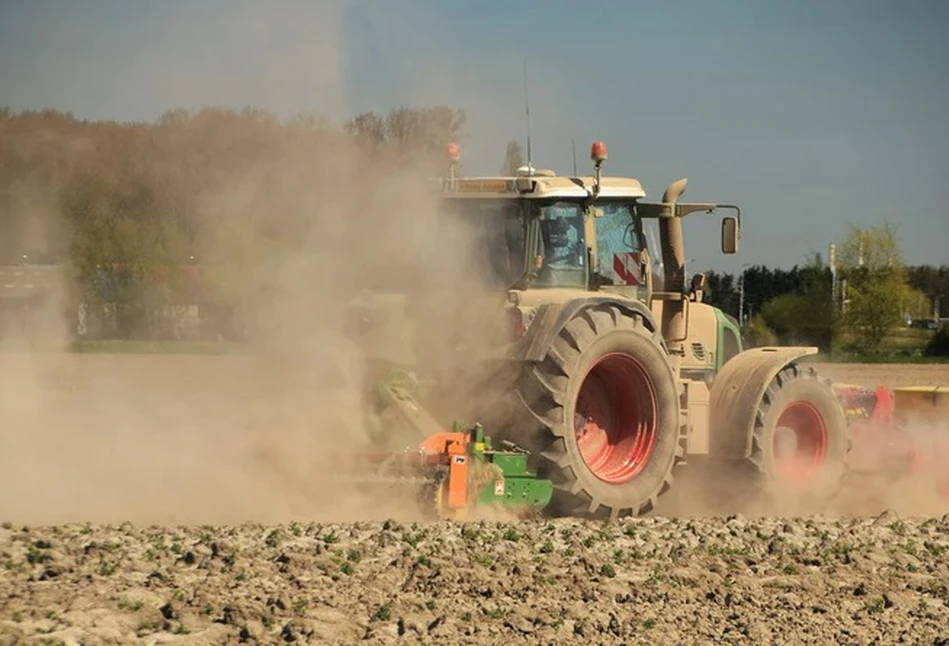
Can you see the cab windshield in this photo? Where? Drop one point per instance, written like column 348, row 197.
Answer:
column 562, row 244
column 505, row 238
column 618, row 246
column 561, row 258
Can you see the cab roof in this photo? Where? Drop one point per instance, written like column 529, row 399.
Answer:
column 541, row 185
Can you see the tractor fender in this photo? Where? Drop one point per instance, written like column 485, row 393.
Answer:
column 552, row 317
column 736, row 392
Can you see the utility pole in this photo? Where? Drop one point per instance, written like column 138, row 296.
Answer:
column 741, row 299
column 741, row 295
column 833, row 278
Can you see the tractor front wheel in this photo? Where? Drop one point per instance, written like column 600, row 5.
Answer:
column 800, row 442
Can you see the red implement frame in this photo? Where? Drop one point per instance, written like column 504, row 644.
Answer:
column 881, row 443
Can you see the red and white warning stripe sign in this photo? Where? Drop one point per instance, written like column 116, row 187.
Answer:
column 626, row 267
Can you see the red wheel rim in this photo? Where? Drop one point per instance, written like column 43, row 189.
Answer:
column 802, row 427
column 617, row 418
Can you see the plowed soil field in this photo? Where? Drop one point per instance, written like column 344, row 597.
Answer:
column 893, row 375
column 142, row 506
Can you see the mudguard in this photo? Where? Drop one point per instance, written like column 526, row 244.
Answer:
column 552, row 317
column 735, row 394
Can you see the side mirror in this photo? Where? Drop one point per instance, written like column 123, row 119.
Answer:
column 730, row 234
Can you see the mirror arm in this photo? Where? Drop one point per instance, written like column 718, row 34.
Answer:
column 659, row 210
column 732, row 206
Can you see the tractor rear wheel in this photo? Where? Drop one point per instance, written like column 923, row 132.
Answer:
column 608, row 406
column 800, row 441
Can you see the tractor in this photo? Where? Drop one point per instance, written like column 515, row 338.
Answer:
column 610, row 378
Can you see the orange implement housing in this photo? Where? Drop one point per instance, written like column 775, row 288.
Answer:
column 450, row 448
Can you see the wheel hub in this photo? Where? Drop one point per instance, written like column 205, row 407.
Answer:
column 800, row 442
column 617, row 418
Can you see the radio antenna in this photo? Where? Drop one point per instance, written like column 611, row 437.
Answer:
column 527, row 112
column 573, row 146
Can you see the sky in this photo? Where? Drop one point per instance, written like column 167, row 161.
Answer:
column 811, row 115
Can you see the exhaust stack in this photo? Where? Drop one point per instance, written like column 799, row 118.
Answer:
column 673, row 259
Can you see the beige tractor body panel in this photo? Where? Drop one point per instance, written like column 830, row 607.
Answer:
column 700, row 348
column 699, row 402
column 537, row 297
column 701, row 345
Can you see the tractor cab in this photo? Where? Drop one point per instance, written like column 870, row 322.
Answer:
column 542, row 231
column 543, row 237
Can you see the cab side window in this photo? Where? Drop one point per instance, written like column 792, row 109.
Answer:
column 618, row 246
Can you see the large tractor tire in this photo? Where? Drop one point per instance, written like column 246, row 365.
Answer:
column 608, row 406
column 800, row 440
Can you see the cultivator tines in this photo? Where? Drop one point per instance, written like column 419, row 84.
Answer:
column 401, row 473
column 449, row 474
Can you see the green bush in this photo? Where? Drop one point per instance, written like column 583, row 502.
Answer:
column 799, row 319
column 938, row 346
column 759, row 334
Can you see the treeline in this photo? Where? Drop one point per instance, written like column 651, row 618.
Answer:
column 241, row 193
column 872, row 296
column 57, row 173
column 254, row 216
column 763, row 285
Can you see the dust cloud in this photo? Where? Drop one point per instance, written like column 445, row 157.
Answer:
column 898, row 468
column 254, row 436
column 152, row 438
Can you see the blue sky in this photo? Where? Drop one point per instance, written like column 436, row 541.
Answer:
column 810, row 115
